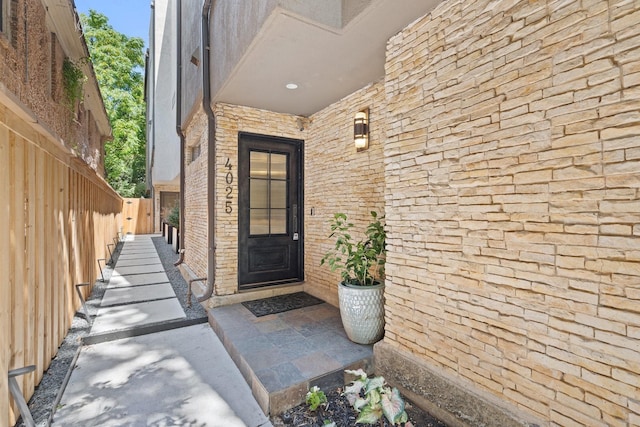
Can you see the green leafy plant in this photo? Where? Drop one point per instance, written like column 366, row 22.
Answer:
column 315, row 398
column 372, row 398
column 73, row 80
column 118, row 63
column 361, row 263
column 173, row 219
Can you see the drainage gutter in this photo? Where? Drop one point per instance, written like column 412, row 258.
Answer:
column 179, row 129
column 207, row 7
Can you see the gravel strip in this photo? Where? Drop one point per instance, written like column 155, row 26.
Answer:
column 46, row 393
column 168, row 257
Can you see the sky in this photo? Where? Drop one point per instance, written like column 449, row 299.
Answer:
column 129, row 17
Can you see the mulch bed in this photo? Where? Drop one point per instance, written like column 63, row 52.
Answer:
column 339, row 411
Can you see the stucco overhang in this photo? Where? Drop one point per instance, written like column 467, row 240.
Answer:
column 64, row 21
column 327, row 57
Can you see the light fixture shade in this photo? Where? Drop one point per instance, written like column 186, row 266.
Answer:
column 361, row 130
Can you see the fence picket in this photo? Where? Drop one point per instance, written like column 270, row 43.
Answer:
column 58, row 216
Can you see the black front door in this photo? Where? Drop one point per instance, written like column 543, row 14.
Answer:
column 270, row 222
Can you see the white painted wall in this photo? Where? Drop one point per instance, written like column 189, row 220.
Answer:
column 165, row 161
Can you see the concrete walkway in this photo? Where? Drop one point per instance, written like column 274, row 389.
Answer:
column 180, row 376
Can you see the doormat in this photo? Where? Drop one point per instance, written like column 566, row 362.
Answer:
column 281, row 303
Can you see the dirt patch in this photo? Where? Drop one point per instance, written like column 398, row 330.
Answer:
column 339, row 411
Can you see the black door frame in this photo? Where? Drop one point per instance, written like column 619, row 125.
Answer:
column 243, row 235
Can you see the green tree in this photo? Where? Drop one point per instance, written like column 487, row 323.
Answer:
column 118, row 61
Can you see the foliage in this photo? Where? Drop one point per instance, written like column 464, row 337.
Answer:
column 73, row 80
column 361, row 263
column 372, row 398
column 118, row 61
column 173, row 219
column 315, row 398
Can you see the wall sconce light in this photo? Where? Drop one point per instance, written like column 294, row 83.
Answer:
column 361, row 130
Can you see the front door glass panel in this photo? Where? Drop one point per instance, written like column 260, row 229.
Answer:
column 268, row 188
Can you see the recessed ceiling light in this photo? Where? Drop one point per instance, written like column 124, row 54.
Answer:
column 291, row 86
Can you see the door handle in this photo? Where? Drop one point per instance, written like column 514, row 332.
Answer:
column 295, row 222
column 295, row 218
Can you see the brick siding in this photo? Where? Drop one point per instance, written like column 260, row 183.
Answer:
column 31, row 71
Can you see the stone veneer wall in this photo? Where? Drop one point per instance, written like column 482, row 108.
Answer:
column 339, row 179
column 195, row 235
column 230, row 119
column 513, row 204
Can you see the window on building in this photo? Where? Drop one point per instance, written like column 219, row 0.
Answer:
column 195, row 152
column 2, row 14
column 5, row 17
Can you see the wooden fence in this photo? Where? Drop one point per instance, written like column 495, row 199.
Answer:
column 56, row 217
column 137, row 216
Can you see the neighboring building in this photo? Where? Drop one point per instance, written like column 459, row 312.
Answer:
column 504, row 151
column 163, row 143
column 32, row 75
column 57, row 211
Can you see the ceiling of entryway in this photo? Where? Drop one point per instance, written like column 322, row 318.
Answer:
column 325, row 62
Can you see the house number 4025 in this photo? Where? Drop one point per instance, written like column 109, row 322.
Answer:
column 228, row 208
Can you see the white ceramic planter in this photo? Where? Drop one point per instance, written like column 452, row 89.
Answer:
column 362, row 312
column 175, row 239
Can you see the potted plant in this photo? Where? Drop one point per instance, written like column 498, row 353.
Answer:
column 361, row 290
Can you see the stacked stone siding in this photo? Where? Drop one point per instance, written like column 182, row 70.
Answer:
column 512, row 166
column 336, row 177
column 505, row 153
column 340, row 179
column 230, row 120
column 196, row 233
